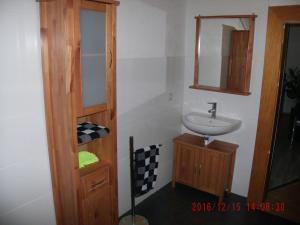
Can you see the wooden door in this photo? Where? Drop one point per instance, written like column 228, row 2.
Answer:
column 97, row 208
column 185, row 172
column 278, row 17
column 238, row 60
column 210, row 175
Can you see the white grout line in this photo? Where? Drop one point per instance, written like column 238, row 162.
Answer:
column 23, row 205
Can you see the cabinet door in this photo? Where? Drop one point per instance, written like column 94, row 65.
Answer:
column 95, row 58
column 210, row 168
column 97, row 208
column 185, row 165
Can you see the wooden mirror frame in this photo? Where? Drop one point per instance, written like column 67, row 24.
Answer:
column 246, row 84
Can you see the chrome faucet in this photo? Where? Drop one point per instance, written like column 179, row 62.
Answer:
column 213, row 109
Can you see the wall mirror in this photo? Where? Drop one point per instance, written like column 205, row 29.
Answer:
column 223, row 53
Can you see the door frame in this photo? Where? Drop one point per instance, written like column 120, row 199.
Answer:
column 278, row 16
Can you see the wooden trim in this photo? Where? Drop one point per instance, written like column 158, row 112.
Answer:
column 227, row 16
column 92, row 109
column 278, row 16
column 218, row 89
column 249, row 54
column 77, row 84
column 93, row 6
column 113, row 2
column 230, row 177
column 197, row 45
column 48, row 111
column 93, row 167
column 114, row 111
column 57, row 77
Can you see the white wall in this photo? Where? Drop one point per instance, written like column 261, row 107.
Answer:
column 150, row 72
column 150, row 69
column 25, row 186
column 244, row 108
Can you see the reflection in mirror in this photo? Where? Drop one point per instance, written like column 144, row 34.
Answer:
column 93, row 57
column 223, row 53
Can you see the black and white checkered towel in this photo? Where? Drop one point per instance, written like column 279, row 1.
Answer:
column 146, row 164
column 88, row 131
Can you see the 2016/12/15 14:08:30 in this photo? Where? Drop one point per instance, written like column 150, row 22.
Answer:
column 236, row 206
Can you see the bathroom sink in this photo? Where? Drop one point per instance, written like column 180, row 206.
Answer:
column 202, row 123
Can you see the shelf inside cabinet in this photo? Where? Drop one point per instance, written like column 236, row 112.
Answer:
column 87, row 132
column 92, row 167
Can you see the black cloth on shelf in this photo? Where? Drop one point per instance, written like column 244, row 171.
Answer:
column 89, row 131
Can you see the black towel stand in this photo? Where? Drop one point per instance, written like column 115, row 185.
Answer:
column 132, row 177
column 133, row 219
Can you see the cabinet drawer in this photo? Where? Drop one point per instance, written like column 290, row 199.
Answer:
column 93, row 182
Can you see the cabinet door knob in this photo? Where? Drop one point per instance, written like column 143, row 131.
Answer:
column 199, row 170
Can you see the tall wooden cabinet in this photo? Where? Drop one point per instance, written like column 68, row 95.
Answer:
column 207, row 168
column 79, row 71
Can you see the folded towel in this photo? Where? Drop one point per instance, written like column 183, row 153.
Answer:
column 87, row 158
column 88, row 131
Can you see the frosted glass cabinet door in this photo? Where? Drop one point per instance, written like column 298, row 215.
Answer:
column 93, row 57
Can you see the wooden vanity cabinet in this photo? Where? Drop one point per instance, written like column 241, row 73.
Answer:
column 207, row 168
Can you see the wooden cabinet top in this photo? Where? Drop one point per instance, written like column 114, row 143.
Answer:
column 198, row 142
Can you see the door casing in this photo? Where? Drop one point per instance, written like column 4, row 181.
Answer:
column 277, row 18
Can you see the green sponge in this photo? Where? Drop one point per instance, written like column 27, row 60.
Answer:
column 87, row 158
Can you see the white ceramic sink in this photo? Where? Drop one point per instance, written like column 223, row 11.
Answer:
column 202, row 123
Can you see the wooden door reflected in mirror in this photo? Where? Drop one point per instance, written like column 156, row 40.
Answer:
column 223, row 53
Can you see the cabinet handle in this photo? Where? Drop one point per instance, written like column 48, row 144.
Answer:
column 110, row 63
column 96, row 185
column 199, row 171
column 68, row 68
column 111, row 114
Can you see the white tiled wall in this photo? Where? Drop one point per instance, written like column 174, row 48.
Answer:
column 25, row 186
column 150, row 83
